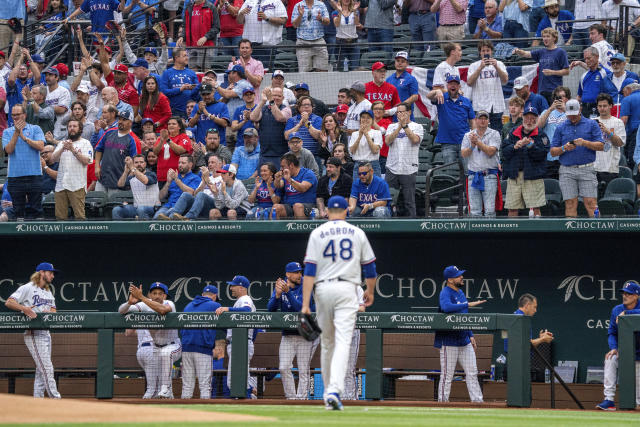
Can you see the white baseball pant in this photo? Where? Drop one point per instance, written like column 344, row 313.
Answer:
column 295, row 346
column 350, row 389
column 251, row 381
column 336, row 309
column 165, row 358
column 449, row 356
column 39, row 344
column 611, row 377
column 151, row 372
column 196, row 365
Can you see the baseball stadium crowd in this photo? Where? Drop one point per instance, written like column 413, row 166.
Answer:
column 159, row 141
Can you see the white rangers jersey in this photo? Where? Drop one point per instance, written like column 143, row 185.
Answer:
column 38, row 299
column 339, row 250
column 243, row 301
column 161, row 337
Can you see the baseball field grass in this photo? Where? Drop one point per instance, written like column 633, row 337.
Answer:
column 402, row 416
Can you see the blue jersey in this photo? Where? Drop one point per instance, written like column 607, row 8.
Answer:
column 406, row 84
column 308, row 141
column 170, row 84
column 591, row 84
column 289, row 302
column 364, row 194
column 263, row 199
column 239, row 116
column 453, row 119
column 14, row 95
column 199, row 340
column 190, row 179
column 538, row 101
column 613, row 327
column 452, row 302
column 217, row 109
column 100, row 11
column 566, row 131
column 291, row 195
column 506, row 340
column 631, row 108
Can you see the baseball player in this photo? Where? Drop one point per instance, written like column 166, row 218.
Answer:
column 350, row 389
column 287, row 297
column 36, row 297
column 144, row 355
column 166, row 343
column 240, row 289
column 198, row 347
column 456, row 346
column 336, row 253
column 630, row 305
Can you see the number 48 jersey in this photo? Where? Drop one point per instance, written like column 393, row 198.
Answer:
column 339, row 250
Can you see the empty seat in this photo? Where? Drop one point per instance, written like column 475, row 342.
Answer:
column 95, row 203
column 625, row 172
column 553, row 195
column 619, row 198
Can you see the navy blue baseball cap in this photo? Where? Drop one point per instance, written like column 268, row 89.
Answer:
column 125, row 114
column 631, row 287
column 369, row 112
column 151, row 50
column 146, row 120
column 239, row 281
column 210, row 289
column 141, row 62
column 453, row 78
column 46, row 266
column 452, row 271
column 337, row 202
column 530, row 110
column 237, row 68
column 293, row 267
column 52, row 70
column 37, row 59
column 294, row 135
column 158, row 285
column 302, row 86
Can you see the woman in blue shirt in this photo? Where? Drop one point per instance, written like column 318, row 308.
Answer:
column 264, row 193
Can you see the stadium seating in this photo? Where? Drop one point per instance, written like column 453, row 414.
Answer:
column 619, row 198
column 625, row 172
column 553, row 195
column 95, row 204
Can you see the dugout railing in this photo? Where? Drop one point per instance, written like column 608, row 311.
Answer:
column 517, row 328
column 628, row 330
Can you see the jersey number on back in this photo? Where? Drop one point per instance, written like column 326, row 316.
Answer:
column 344, row 250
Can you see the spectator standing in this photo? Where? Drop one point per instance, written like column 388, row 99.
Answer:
column 403, row 81
column 341, row 153
column 172, row 143
column 253, row 68
column 230, row 30
column 154, row 104
column 591, row 82
column 379, row 23
column 451, row 18
column 23, row 143
column 246, row 158
column 74, row 155
column 614, row 83
column 241, row 117
column 18, row 78
column 346, row 19
column 144, row 186
column 360, row 104
column 455, row 113
column 307, row 126
column 79, row 112
column 179, row 83
column 59, row 98
column 380, row 90
column 39, row 113
column 100, row 11
column 298, row 188
column 182, row 180
column 232, row 199
column 476, row 12
column 277, row 81
column 330, row 135
column 381, row 123
column 576, row 142
column 335, row 183
column 515, row 14
column 309, row 17
column 524, row 156
column 630, row 115
column 447, row 68
column 589, row 11
column 422, row 22
column 607, row 162
column 232, row 94
column 370, row 195
column 319, row 107
column 552, row 63
column 521, row 87
column 263, row 21
column 213, row 147
column 486, row 78
column 598, row 37
column 200, row 33
column 271, row 115
column 403, row 139
column 210, row 114
column 550, row 20
column 290, row 29
column 516, row 107
column 365, row 144
column 481, row 146
column 49, row 169
column 121, row 80
column 491, row 26
column 304, row 156
column 549, row 121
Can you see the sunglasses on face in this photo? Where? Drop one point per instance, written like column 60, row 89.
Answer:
column 363, row 173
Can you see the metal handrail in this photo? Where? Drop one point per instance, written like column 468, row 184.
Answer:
column 460, row 185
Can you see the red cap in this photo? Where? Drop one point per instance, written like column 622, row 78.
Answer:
column 62, row 69
column 377, row 65
column 2, row 54
column 121, row 68
column 108, row 49
column 342, row 108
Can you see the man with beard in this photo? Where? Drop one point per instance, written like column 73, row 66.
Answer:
column 74, row 155
column 214, row 147
column 120, row 80
column 405, row 83
column 524, row 155
column 456, row 346
column 19, row 78
column 334, row 183
column 178, row 182
column 208, row 115
column 38, row 112
column 554, row 14
column 369, row 194
column 112, row 149
column 246, row 157
column 59, row 98
column 287, row 297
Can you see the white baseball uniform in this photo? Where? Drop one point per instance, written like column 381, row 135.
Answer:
column 350, row 382
column 611, row 378
column 166, row 350
column 144, row 354
column 338, row 249
column 38, row 342
column 243, row 301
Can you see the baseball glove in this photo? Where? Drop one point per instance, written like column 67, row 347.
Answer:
column 308, row 328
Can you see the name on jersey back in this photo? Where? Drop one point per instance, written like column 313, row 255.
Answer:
column 337, row 231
